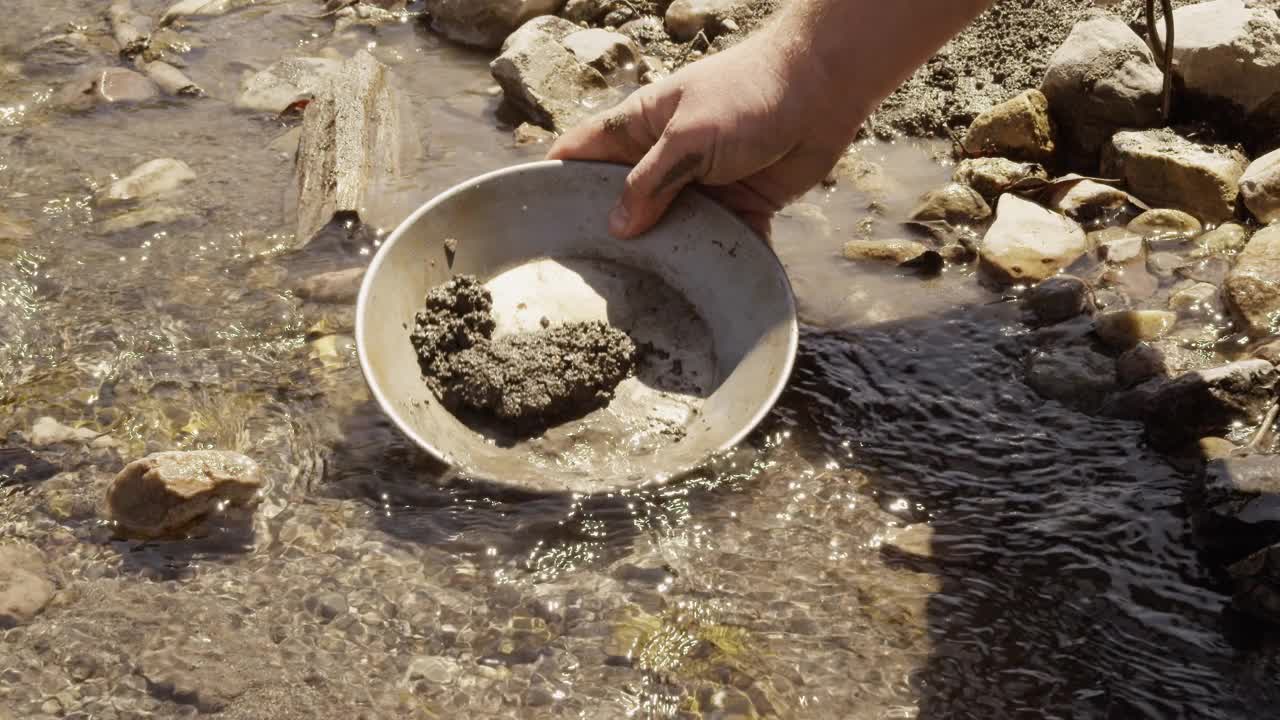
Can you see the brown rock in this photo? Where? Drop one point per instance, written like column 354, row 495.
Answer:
column 1019, row 129
column 24, row 585
column 1253, row 287
column 895, row 251
column 1166, row 169
column 165, row 493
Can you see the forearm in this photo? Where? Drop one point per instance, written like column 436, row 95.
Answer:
column 857, row 52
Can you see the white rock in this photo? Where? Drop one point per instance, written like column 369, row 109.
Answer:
column 24, row 585
column 165, row 493
column 1253, row 287
column 485, row 23
column 1101, row 79
column 614, row 55
column 1125, row 328
column 1028, row 243
column 202, row 8
column 1198, row 299
column 47, row 431
column 686, row 18
column 1086, row 200
column 896, row 251
column 546, row 82
column 144, row 217
column 1168, row 170
column 150, row 178
column 109, row 86
column 284, row 83
column 1164, row 223
column 1224, row 239
column 1223, row 49
column 1260, row 187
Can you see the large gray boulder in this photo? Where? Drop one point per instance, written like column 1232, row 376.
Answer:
column 1207, row 402
column 1028, row 243
column 485, row 23
column 1226, row 51
column 1260, row 187
column 1103, row 78
column 1168, row 170
column 1253, row 287
column 544, row 81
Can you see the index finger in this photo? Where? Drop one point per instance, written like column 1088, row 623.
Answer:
column 618, row 135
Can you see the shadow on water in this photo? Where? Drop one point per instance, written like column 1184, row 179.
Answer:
column 1069, row 582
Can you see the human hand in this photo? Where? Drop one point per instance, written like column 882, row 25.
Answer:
column 756, row 124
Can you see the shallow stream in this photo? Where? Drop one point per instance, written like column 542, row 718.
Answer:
column 793, row 579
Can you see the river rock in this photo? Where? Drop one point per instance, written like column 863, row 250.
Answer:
column 202, row 8
column 351, row 143
column 25, row 588
column 1253, row 287
column 165, row 493
column 895, row 250
column 1101, row 79
column 47, row 432
column 1207, row 402
column 1163, row 223
column 543, row 80
column 953, row 203
column 1164, row 168
column 1225, row 239
column 1122, row 329
column 1226, row 51
column 11, row 228
column 1087, row 201
column 614, row 55
column 1158, row 359
column 485, row 23
column 1256, row 584
column 189, row 674
column 172, row 80
column 586, row 11
column 1236, row 507
column 686, row 18
column 1200, row 299
column 1075, row 375
column 1057, row 299
column 150, row 178
column 1028, row 243
column 1260, row 187
column 865, row 176
column 1118, row 246
column 144, row 217
column 131, row 29
column 106, row 86
column 339, row 286
column 992, row 177
column 530, row 134
column 285, row 83
column 61, row 54
column 1019, row 129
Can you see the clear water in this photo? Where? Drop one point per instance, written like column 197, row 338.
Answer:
column 786, row 581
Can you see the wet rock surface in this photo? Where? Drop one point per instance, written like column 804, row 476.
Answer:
column 150, row 178
column 485, row 23
column 1155, row 224
column 532, row 380
column 1018, row 129
column 25, row 588
column 1253, row 287
column 1237, row 506
column 894, row 250
column 1057, row 299
column 1260, row 187
column 1028, row 243
column 166, row 493
column 1207, row 402
column 992, row 177
column 1164, row 168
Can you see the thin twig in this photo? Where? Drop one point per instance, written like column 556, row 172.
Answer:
column 1265, row 428
column 1163, row 50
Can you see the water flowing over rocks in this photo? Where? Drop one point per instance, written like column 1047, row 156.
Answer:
column 613, row 55
column 1017, row 129
column 107, row 86
column 893, row 250
column 352, row 137
column 1027, row 243
column 166, row 493
column 153, row 177
column 1166, row 169
column 485, row 23
column 1075, row 374
column 1122, row 329
column 1253, row 287
column 25, row 588
column 1260, row 187
column 171, row 80
column 1207, row 402
column 1156, row 224
column 1103, row 78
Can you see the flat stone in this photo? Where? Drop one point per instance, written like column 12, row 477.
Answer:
column 47, row 432
column 25, row 588
column 1224, row 50
column 150, row 178
column 165, row 493
column 1103, row 78
column 686, row 18
column 130, row 29
column 1165, row 223
column 144, row 217
column 1253, row 287
column 1165, row 169
column 1087, row 200
column 1207, row 402
column 1019, row 128
column 485, row 23
column 1027, row 243
column 614, row 55
column 339, row 286
column 1236, row 507
column 1075, row 375
column 1057, row 299
column 172, row 80
column 1200, row 299
column 1256, row 584
column 895, row 251
column 1125, row 328
column 953, row 203
column 202, row 8
column 1225, row 239
column 1119, row 246
column 285, row 83
column 1260, row 187
column 107, row 86
column 544, row 81
column 992, row 177
column 351, row 144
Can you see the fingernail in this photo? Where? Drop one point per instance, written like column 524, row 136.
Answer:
column 619, row 219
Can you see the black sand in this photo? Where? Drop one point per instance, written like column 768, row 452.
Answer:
column 532, row 380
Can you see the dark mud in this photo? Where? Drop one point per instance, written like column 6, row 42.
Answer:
column 533, row 380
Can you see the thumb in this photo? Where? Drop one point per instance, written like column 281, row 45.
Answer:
column 670, row 165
